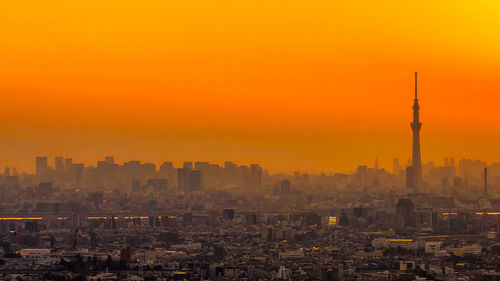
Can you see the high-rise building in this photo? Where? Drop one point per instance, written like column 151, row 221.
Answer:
column 285, row 187
column 68, row 162
column 187, row 165
column 189, row 180
column 182, row 178
column 41, row 165
column 361, row 175
column 406, row 210
column 195, row 180
column 255, row 175
column 109, row 160
column 416, row 171
column 59, row 164
column 201, row 165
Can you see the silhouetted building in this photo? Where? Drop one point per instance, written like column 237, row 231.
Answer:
column 189, row 180
column 59, row 165
column 187, row 165
column 110, row 160
column 255, row 175
column 406, row 209
column 285, row 187
column 195, row 180
column 41, row 165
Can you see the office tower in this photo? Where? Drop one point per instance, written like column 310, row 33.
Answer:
column 406, row 210
column 195, row 180
column 12, row 181
column 68, row 162
column 110, row 160
column 415, row 173
column 78, row 170
column 182, row 178
column 68, row 168
column 168, row 171
column 41, row 165
column 59, row 164
column 230, row 172
column 255, row 175
column 189, row 180
column 376, row 163
column 285, row 187
column 188, row 165
column 207, row 170
column 166, row 166
column 361, row 175
column 200, row 165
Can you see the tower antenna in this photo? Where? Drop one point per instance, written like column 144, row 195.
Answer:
column 415, row 84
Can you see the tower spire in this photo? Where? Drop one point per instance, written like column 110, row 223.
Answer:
column 415, row 84
column 414, row 174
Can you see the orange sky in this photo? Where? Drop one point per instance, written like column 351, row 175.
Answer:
column 293, row 85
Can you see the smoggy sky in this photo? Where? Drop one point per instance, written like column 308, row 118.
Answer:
column 293, row 85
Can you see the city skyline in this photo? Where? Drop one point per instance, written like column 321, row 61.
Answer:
column 413, row 166
column 53, row 162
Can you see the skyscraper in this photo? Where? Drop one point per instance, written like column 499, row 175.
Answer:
column 59, row 164
column 109, row 160
column 415, row 172
column 189, row 180
column 41, row 165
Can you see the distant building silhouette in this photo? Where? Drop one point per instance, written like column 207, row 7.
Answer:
column 41, row 165
column 59, row 164
column 189, row 180
column 406, row 210
column 414, row 173
column 255, row 175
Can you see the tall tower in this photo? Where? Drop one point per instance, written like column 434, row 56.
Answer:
column 415, row 126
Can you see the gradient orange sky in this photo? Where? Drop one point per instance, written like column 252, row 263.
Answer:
column 293, row 85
